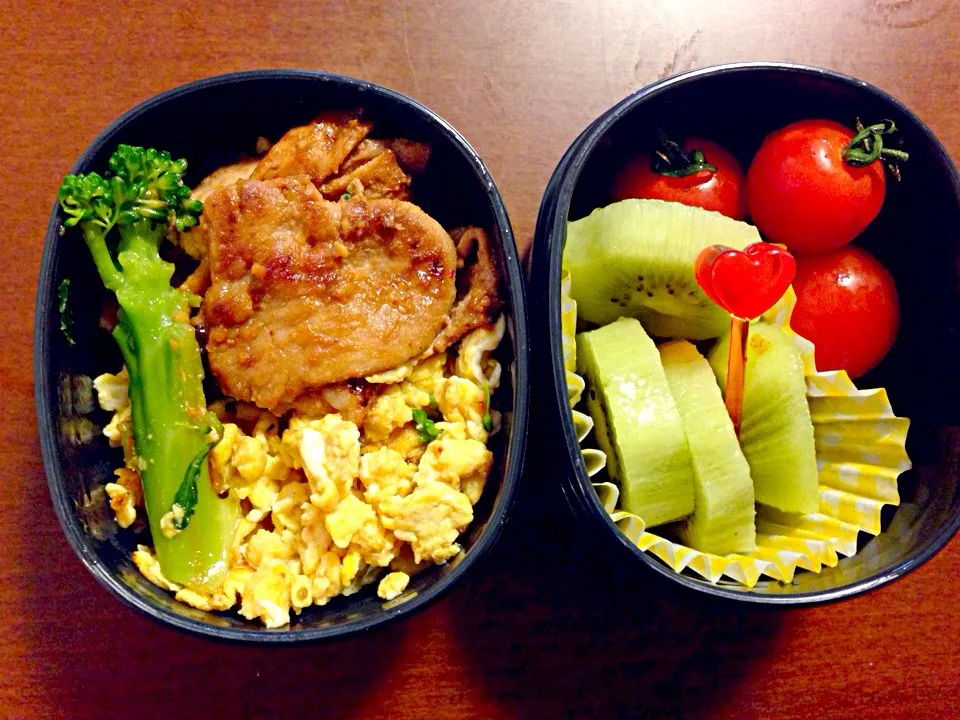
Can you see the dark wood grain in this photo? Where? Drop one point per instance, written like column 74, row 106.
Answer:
column 546, row 628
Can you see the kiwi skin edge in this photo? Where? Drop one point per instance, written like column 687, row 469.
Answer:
column 637, row 422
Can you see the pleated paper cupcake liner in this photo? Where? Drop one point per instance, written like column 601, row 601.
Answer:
column 594, row 460
column 860, row 445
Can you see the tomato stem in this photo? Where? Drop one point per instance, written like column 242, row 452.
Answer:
column 670, row 160
column 867, row 147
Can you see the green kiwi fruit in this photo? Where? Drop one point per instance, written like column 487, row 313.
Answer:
column 723, row 509
column 636, row 421
column 636, row 258
column 776, row 432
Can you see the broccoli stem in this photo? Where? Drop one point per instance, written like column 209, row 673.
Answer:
column 141, row 194
column 167, row 403
column 106, row 267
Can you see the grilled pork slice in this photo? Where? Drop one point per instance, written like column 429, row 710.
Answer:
column 478, row 300
column 307, row 293
column 379, row 177
column 316, row 149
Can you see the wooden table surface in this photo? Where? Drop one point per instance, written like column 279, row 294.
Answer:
column 545, row 628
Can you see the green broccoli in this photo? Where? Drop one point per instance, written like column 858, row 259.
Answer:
column 123, row 217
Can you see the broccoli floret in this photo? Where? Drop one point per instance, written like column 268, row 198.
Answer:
column 123, row 217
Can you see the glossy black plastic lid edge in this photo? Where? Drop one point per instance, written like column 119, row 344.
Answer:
column 46, row 399
column 547, row 266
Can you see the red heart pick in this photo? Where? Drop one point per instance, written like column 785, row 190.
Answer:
column 745, row 284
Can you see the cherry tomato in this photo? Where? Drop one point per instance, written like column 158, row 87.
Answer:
column 720, row 190
column 803, row 194
column 847, row 307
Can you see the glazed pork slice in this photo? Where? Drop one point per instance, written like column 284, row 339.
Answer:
column 413, row 157
column 478, row 298
column 380, row 177
column 316, row 149
column 193, row 241
column 307, row 293
column 365, row 151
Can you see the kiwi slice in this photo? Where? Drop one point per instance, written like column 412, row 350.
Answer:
column 636, row 258
column 637, row 422
column 723, row 512
column 776, row 431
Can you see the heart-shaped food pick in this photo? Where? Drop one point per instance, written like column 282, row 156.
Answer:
column 745, row 284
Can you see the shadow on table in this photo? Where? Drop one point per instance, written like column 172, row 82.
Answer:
column 82, row 654
column 555, row 629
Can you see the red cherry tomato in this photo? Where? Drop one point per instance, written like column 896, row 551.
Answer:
column 803, row 194
column 721, row 191
column 847, row 307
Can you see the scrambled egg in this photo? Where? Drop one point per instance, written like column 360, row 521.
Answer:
column 475, row 361
column 126, row 495
column 330, row 507
column 393, row 585
column 112, row 390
